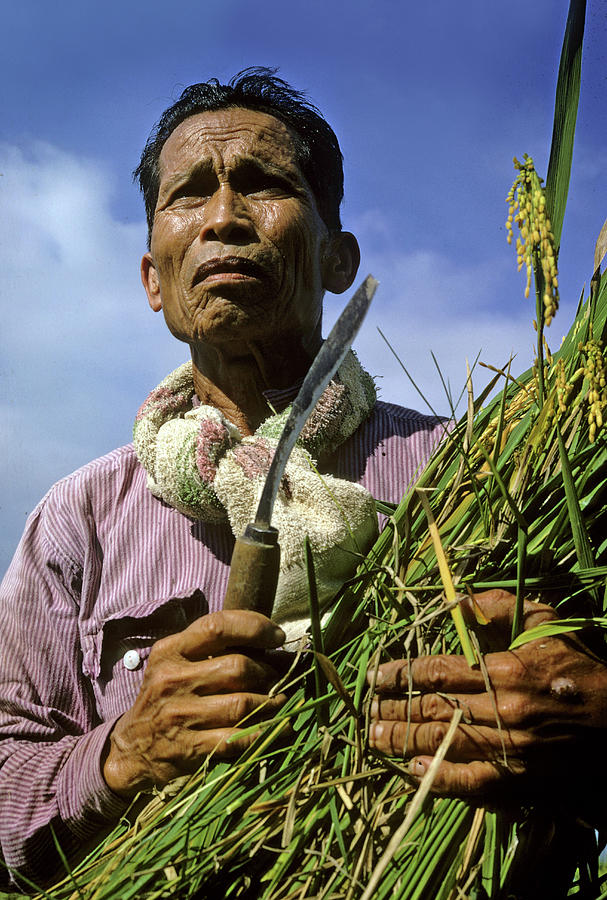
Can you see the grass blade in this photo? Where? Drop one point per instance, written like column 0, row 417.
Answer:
column 456, row 613
column 581, row 541
column 320, row 681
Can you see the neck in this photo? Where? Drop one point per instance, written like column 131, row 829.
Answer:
column 235, row 383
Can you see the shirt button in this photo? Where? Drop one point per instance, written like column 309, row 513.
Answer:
column 131, row 659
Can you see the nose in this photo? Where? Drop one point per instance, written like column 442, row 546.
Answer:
column 226, row 218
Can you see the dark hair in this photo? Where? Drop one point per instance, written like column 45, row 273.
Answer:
column 317, row 148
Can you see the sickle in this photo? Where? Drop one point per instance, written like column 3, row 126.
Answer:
column 256, row 558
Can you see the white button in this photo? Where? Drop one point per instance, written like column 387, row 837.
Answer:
column 131, row 659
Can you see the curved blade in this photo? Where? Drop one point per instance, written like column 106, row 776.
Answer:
column 329, row 358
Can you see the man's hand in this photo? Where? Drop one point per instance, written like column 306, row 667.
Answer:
column 198, row 685
column 549, row 698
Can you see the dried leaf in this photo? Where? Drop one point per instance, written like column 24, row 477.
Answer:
column 333, row 678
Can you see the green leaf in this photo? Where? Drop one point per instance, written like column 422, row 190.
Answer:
column 581, row 541
column 556, row 628
column 565, row 115
column 504, row 491
column 521, row 560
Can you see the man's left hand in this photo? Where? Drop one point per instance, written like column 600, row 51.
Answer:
column 544, row 716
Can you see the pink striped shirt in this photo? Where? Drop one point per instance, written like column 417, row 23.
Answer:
column 104, row 569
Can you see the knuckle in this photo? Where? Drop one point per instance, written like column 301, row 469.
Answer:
column 394, row 709
column 516, row 711
column 400, row 675
column 236, row 668
column 230, row 749
column 164, row 679
column 160, row 649
column 239, row 706
column 214, row 625
column 430, row 706
column 536, row 613
column 437, row 672
column 471, row 779
column 513, row 668
column 476, row 779
column 525, row 743
column 278, row 701
column 494, row 594
column 155, row 684
column 437, row 733
column 493, row 598
column 534, row 606
column 394, row 738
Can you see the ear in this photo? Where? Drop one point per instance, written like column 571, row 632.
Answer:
column 150, row 281
column 341, row 262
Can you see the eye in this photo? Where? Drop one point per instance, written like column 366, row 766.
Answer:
column 270, row 187
column 255, row 182
column 188, row 197
column 193, row 192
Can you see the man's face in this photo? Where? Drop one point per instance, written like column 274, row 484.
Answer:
column 238, row 245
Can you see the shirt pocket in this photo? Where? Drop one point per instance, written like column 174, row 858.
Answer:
column 122, row 643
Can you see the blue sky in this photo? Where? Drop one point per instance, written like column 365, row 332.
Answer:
column 430, row 101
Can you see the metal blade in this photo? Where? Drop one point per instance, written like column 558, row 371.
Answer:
column 329, row 358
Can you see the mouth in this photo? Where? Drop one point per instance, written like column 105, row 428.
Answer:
column 228, row 268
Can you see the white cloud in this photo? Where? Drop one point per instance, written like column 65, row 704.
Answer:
column 79, row 346
column 66, row 261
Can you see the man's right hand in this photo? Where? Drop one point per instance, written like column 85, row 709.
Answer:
column 198, row 685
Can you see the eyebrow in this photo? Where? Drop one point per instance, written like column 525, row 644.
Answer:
column 205, row 167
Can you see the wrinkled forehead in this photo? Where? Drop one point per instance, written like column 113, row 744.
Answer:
column 229, row 134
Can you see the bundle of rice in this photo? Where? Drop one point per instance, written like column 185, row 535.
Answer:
column 515, row 497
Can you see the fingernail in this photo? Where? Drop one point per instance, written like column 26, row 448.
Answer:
column 374, row 711
column 417, row 768
column 278, row 635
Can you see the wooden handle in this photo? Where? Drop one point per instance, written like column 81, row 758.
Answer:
column 254, row 571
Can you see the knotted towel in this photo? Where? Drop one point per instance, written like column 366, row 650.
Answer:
column 199, row 463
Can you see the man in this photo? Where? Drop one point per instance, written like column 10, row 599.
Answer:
column 119, row 669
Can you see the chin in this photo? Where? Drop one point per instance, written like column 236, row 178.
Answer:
column 225, row 318
column 223, row 331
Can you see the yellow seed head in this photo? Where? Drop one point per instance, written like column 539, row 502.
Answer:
column 535, row 244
